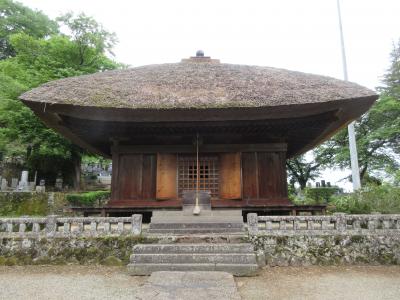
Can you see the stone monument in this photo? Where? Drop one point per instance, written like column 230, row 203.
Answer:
column 23, row 184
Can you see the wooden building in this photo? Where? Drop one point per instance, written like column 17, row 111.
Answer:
column 248, row 121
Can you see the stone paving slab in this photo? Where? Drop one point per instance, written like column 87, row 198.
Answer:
column 189, row 285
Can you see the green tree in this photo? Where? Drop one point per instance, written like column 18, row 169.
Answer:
column 36, row 61
column 17, row 18
column 90, row 38
column 377, row 132
column 301, row 170
column 392, row 76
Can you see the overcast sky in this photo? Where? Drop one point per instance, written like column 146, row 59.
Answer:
column 290, row 34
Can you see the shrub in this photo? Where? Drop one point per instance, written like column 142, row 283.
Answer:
column 88, row 198
column 321, row 194
column 384, row 199
column 23, row 203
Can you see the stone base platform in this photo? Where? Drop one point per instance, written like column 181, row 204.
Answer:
column 208, row 222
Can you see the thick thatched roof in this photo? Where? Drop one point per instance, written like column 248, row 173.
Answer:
column 225, row 103
column 195, row 83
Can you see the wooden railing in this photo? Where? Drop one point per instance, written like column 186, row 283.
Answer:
column 336, row 223
column 53, row 226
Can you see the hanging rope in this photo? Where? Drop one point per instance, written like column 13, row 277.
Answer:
column 196, row 210
column 198, row 170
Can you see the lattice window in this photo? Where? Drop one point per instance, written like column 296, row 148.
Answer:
column 208, row 174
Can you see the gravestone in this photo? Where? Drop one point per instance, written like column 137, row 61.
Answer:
column 317, row 184
column 23, row 184
column 328, row 184
column 41, row 188
column 323, row 183
column 59, row 183
column 14, row 183
column 4, row 184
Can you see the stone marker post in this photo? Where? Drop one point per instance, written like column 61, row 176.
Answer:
column 51, row 225
column 340, row 221
column 373, row 222
column 252, row 223
column 136, row 224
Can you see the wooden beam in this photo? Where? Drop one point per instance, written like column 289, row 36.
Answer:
column 218, row 148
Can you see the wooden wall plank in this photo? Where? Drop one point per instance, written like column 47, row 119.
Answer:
column 114, row 177
column 283, row 175
column 249, row 176
column 130, row 176
column 271, row 175
column 265, row 175
column 149, row 177
column 230, row 176
column 166, row 176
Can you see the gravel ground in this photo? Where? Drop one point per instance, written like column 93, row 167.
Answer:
column 90, row 282
column 355, row 282
column 67, row 282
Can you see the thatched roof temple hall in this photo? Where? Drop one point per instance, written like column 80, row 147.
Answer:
column 245, row 120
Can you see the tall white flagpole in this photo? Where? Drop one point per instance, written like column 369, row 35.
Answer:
column 352, row 136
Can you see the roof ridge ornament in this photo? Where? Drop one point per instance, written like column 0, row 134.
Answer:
column 199, row 53
column 200, row 58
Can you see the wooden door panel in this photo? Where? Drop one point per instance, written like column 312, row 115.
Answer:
column 230, row 176
column 166, row 176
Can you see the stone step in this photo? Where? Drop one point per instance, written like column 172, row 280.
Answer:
column 194, row 230
column 195, row 258
column 235, row 269
column 203, row 213
column 193, row 248
column 173, row 225
column 208, row 238
column 236, row 258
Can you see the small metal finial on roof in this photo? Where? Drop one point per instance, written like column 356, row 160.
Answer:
column 200, row 53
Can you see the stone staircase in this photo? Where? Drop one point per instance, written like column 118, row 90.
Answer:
column 211, row 241
column 208, row 222
column 237, row 259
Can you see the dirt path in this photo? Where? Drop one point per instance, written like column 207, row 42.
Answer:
column 88, row 282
